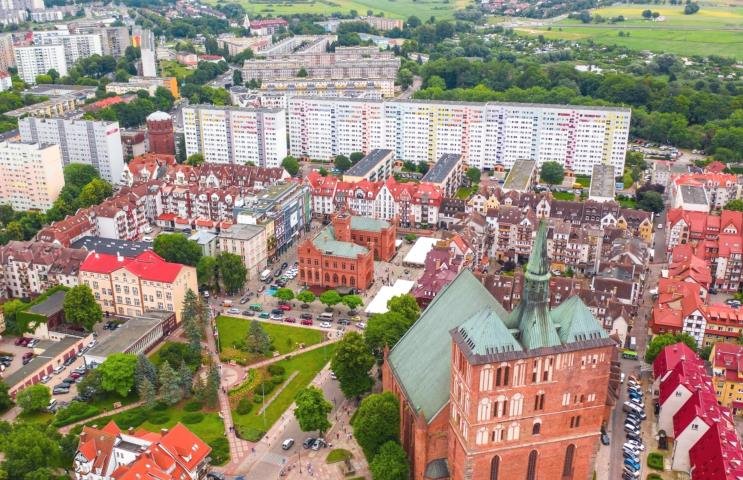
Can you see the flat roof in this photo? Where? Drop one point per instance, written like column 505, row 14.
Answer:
column 58, row 90
column 241, row 231
column 39, row 361
column 111, row 246
column 121, row 339
column 379, row 303
column 417, row 254
column 369, row 162
column 442, row 168
column 520, row 175
column 50, row 306
column 602, row 181
column 325, row 242
column 202, row 237
column 368, row 224
column 694, row 194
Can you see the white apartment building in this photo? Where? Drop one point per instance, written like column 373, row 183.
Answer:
column 247, row 241
column 30, row 175
column 149, row 59
column 97, row 143
column 236, row 135
column 486, row 135
column 38, row 59
column 75, row 46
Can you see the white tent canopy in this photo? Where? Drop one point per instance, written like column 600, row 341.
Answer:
column 417, row 254
column 379, row 303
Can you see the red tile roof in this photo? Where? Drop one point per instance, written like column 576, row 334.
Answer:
column 701, row 405
column 690, row 375
column 729, row 357
column 147, row 266
column 717, row 455
column 670, row 356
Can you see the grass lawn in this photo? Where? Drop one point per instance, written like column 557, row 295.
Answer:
column 171, row 68
column 563, row 196
column 338, row 455
column 286, row 338
column 307, row 365
column 465, row 193
column 717, row 30
column 35, row 417
column 627, row 202
column 423, row 9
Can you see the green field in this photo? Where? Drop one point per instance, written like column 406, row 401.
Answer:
column 286, row 338
column 712, row 30
column 423, row 9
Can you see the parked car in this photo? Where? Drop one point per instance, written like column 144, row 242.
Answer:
column 33, row 343
column 344, row 321
column 60, row 391
column 307, row 321
column 287, row 444
column 248, row 313
column 233, row 310
column 277, row 317
column 290, row 320
column 263, row 315
column 319, row 443
column 308, row 442
column 69, row 361
column 325, row 324
column 361, row 325
column 605, row 439
column 45, row 379
column 306, row 316
column 285, row 308
column 58, row 368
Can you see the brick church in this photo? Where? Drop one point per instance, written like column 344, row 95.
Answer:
column 491, row 395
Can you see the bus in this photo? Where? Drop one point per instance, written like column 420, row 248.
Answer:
column 629, row 354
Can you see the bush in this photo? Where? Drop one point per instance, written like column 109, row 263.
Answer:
column 158, row 418
column 160, row 406
column 244, row 406
column 191, row 418
column 655, row 461
column 274, row 369
column 75, row 412
column 249, row 433
column 193, row 406
column 220, row 451
column 131, row 418
column 257, row 399
column 265, row 387
column 277, row 380
column 653, row 476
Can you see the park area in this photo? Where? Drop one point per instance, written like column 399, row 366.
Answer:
column 712, row 30
column 233, row 333
column 269, row 391
column 423, row 9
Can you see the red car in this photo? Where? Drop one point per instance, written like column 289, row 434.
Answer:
column 307, row 321
column 285, row 307
column 290, row 320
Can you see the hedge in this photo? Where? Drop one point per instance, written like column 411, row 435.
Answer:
column 158, row 418
column 655, row 461
column 191, row 418
column 265, row 387
column 193, row 406
column 75, row 412
column 274, row 369
column 653, row 476
column 257, row 399
column 249, row 433
column 244, row 406
column 131, row 418
column 220, row 450
column 277, row 380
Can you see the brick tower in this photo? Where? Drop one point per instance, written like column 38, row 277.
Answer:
column 160, row 133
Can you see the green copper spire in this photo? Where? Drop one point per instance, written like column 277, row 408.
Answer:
column 532, row 316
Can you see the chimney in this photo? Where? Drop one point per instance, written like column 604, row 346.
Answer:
column 119, row 258
column 163, row 431
column 130, row 430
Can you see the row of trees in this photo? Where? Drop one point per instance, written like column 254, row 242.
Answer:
column 329, row 298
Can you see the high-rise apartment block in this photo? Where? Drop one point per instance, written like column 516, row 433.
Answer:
column 149, row 60
column 30, row 175
column 236, row 135
column 37, row 59
column 487, row 135
column 7, row 59
column 97, row 143
column 75, row 46
column 114, row 40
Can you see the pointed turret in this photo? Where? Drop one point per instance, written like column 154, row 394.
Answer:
column 532, row 316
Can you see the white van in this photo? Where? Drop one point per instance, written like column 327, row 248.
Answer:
column 265, row 275
column 325, row 317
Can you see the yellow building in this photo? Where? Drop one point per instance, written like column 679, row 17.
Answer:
column 727, row 375
column 131, row 286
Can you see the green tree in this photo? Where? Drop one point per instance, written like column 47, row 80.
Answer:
column 285, row 294
column 30, row 448
column 147, row 393
column 176, row 248
column 659, row 342
column 355, row 157
column 342, row 163
column 94, row 193
column 185, row 379
column 206, row 271
column 552, row 173
column 352, row 301
column 211, row 390
column 291, row 165
column 422, row 167
column 410, row 237
column 306, row 296
column 44, row 79
column 473, row 174
column 312, row 410
column 302, row 73
column 351, row 364
column 81, row 308
column 736, row 205
column 190, row 320
column 237, row 77
column 257, row 340
column 330, row 298
column 145, row 370
column 647, row 14
column 117, row 373
column 232, row 271
column 650, row 201
column 34, row 398
column 406, row 306
column 391, row 463
column 170, row 389
column 195, row 159
column 385, row 329
column 376, row 422
column 5, row 401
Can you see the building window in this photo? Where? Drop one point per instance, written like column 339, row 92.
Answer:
column 517, row 403
column 539, row 401
column 501, row 376
column 494, row 467
column 536, row 428
column 567, row 469
column 531, row 468
column 513, row 431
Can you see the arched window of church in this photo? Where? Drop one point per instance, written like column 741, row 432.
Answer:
column 531, row 468
column 517, row 404
column 513, row 431
column 567, row 469
column 494, row 467
column 536, row 428
column 486, row 379
column 501, row 406
column 483, row 410
column 482, row 436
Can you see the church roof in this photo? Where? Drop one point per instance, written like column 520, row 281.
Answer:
column 576, row 322
column 486, row 334
column 422, row 358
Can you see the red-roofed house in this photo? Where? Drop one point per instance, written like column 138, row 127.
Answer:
column 679, row 308
column 727, row 374
column 687, row 267
column 677, row 387
column 720, row 187
column 150, row 166
column 693, row 419
column 110, row 454
column 131, row 286
column 268, row 26
column 717, row 455
column 670, row 356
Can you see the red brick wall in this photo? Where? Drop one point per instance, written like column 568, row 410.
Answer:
column 381, row 243
column 161, row 137
column 317, row 269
